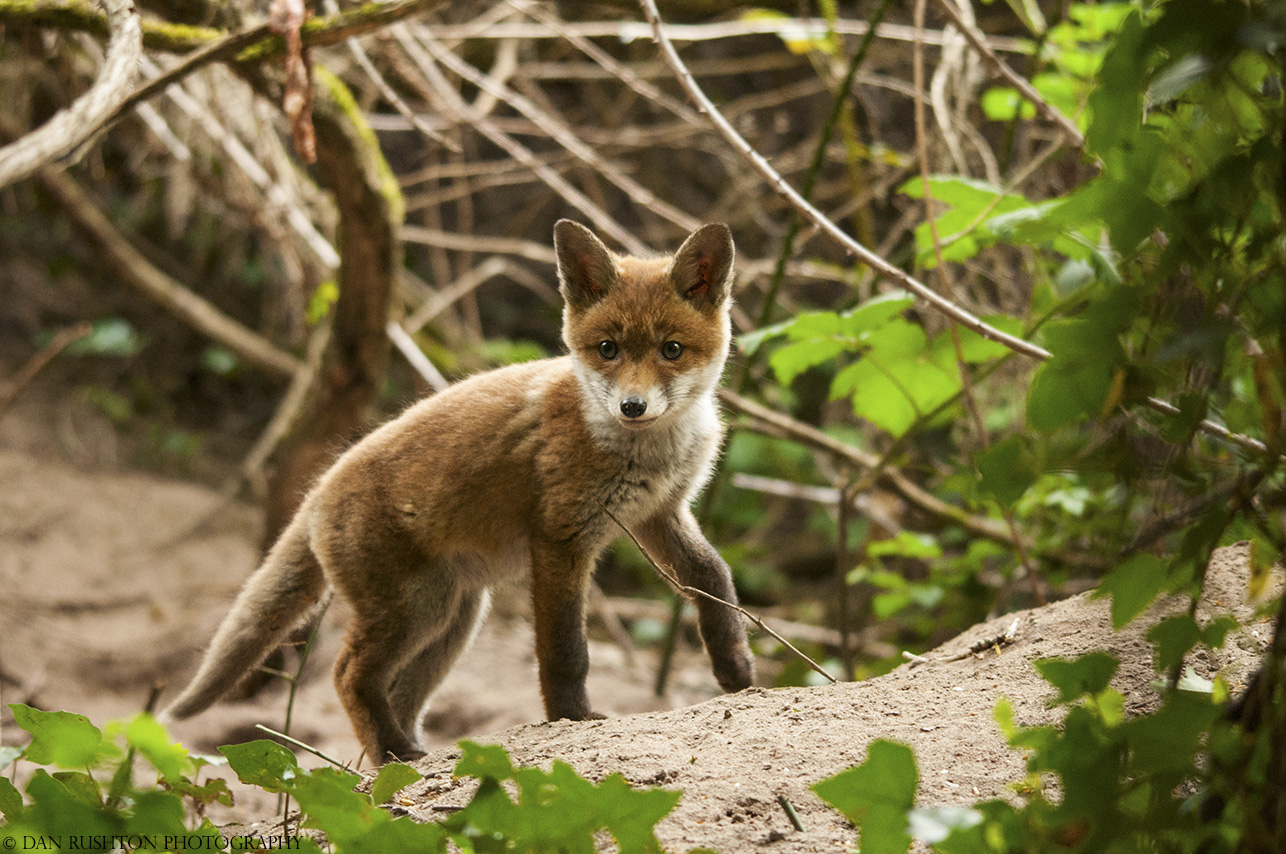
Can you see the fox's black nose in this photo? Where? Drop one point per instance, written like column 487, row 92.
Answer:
column 633, row 406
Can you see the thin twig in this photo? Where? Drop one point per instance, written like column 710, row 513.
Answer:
column 438, row 82
column 689, row 592
column 61, row 341
column 563, row 135
column 604, row 59
column 631, row 31
column 820, row 220
column 414, row 356
column 301, row 745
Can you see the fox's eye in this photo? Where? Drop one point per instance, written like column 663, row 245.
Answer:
column 671, row 350
column 607, row 349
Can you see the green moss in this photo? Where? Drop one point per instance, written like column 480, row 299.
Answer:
column 80, row 16
column 344, row 101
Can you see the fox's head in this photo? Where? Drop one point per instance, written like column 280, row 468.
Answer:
column 649, row 336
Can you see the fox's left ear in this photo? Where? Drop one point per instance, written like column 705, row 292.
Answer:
column 702, row 268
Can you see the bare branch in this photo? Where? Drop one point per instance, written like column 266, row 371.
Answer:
column 37, row 363
column 133, row 268
column 601, row 218
column 73, row 125
column 564, row 136
column 814, row 215
column 1028, row 91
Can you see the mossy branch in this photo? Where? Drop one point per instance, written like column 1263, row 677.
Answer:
column 82, row 16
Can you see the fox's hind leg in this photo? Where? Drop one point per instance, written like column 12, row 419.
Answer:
column 387, row 632
column 422, row 674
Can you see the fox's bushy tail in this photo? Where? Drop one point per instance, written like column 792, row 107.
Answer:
column 274, row 600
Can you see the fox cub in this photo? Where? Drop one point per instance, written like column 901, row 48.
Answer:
column 508, row 472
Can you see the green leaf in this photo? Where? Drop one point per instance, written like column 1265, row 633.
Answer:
column 897, row 380
column 1088, row 674
column 263, row 763
column 934, row 824
column 1004, row 104
column 8, row 754
column 1133, row 586
column 1173, row 637
column 1168, row 739
column 1007, row 469
column 906, row 544
column 1073, row 385
column 484, row 761
column 111, row 337
column 875, row 312
column 150, row 739
column 61, row 739
column 319, row 304
column 792, row 360
column 80, row 786
column 10, row 801
column 392, row 778
column 973, row 347
column 876, row 796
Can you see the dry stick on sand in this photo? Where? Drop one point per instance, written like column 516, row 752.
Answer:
column 37, row 363
column 672, row 579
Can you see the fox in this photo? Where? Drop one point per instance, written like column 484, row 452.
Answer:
column 526, row 469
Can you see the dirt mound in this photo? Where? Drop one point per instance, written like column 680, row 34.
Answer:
column 734, row 756
column 115, row 581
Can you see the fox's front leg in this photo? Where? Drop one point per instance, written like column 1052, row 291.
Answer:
column 674, row 539
column 559, row 582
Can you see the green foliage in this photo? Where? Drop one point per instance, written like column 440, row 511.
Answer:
column 555, row 811
column 876, row 796
column 1162, row 275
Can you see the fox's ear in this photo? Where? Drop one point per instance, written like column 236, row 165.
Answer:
column 702, row 268
column 586, row 268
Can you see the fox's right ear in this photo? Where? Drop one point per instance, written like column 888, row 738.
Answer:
column 586, row 268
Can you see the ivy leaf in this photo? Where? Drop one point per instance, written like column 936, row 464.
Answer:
column 263, row 763
column 1088, row 674
column 392, row 778
column 151, row 740
column 1133, row 586
column 1007, row 470
column 1173, row 637
column 792, row 360
column 61, row 739
column 10, row 801
column 876, row 796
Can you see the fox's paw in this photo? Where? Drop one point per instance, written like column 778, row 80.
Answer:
column 736, row 671
column 409, row 754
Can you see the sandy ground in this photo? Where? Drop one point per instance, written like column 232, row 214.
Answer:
column 111, row 583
